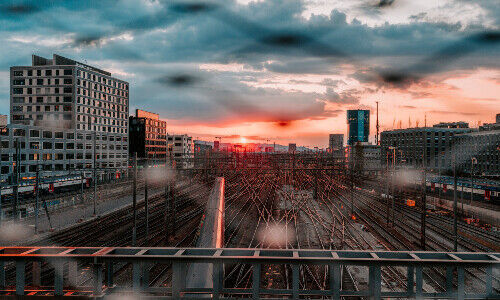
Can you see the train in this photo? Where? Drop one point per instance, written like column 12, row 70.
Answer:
column 27, row 186
column 488, row 191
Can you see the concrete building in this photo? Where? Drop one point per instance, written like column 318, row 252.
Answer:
column 364, row 158
column 61, row 104
column 478, row 152
column 59, row 151
column 336, row 142
column 3, row 120
column 148, row 136
column 459, row 124
column 491, row 126
column 408, row 147
column 358, row 125
column 181, row 148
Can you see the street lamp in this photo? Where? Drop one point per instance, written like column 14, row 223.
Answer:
column 472, row 163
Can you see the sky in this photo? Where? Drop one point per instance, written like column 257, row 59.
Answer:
column 274, row 70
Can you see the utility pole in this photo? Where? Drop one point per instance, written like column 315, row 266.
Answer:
column 376, row 137
column 473, row 160
column 134, row 202
column 424, row 198
column 81, row 186
column 172, row 200
column 95, row 178
column 146, row 201
column 387, row 201
column 16, row 181
column 37, row 186
column 393, row 184
column 455, row 233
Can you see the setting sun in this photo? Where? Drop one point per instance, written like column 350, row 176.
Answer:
column 243, row 140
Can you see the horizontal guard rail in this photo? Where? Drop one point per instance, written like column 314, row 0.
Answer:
column 103, row 259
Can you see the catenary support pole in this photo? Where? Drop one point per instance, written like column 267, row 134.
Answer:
column 134, row 202
column 455, row 233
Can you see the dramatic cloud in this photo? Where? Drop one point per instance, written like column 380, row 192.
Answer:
column 220, row 64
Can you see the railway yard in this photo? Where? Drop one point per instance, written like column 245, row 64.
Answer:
column 273, row 203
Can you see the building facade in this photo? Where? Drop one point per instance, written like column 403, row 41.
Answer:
column 292, row 148
column 181, row 148
column 358, row 125
column 336, row 142
column 148, row 135
column 78, row 103
column 58, row 151
column 410, row 147
column 364, row 158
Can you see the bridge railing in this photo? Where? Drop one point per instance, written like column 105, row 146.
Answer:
column 69, row 262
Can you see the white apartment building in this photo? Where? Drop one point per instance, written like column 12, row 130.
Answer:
column 80, row 103
column 181, row 148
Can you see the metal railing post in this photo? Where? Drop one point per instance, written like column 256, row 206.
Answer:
column 73, row 273
column 218, row 279
column 145, row 276
column 335, row 280
column 2, row 274
column 449, row 280
column 375, row 282
column 36, row 273
column 178, row 278
column 489, row 281
column 460, row 283
column 20, row 277
column 410, row 275
column 136, row 276
column 58, row 278
column 97, row 279
column 418, row 283
column 255, row 280
column 295, row 281
column 109, row 274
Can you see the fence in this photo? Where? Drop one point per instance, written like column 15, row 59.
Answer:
column 104, row 260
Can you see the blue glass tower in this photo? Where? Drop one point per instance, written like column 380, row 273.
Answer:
column 358, row 123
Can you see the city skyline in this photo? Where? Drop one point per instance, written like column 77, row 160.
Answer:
column 285, row 95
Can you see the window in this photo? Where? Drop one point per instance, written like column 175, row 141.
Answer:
column 48, row 72
column 68, row 72
column 34, row 145
column 68, row 81
column 47, row 134
column 30, row 72
column 47, row 145
column 19, row 132
column 67, row 99
column 70, row 156
column 59, row 156
column 67, row 107
column 5, row 170
column 68, row 90
column 39, row 81
column 59, row 146
column 18, row 99
column 18, row 82
column 18, row 73
column 47, row 108
column 70, row 136
column 17, row 91
column 39, row 99
column 59, row 135
column 70, row 146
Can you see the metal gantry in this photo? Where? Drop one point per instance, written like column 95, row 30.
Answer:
column 104, row 259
